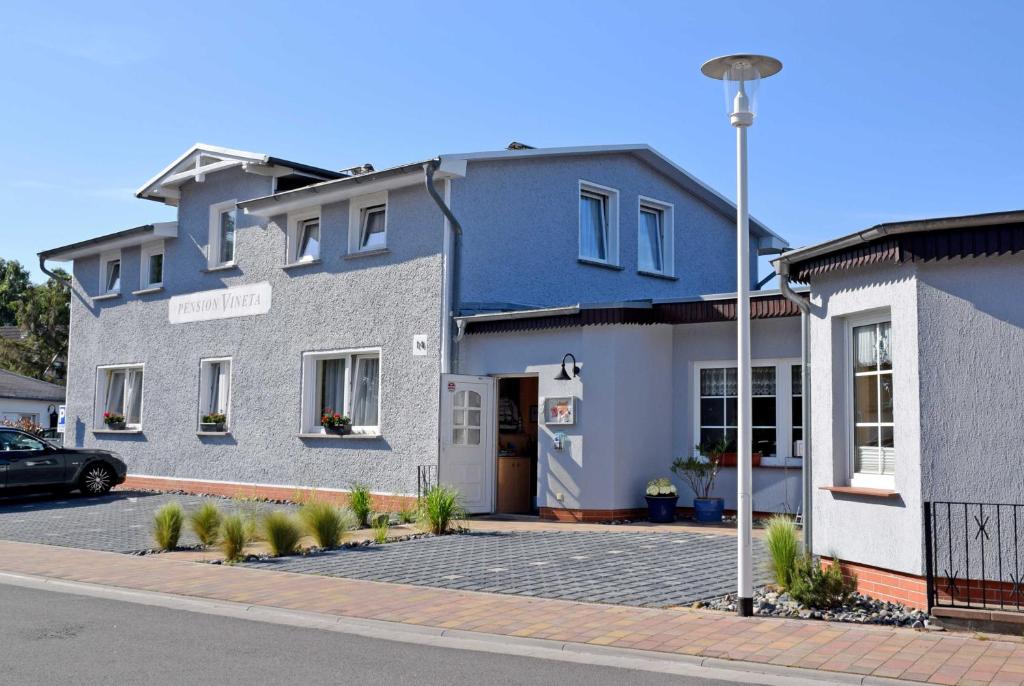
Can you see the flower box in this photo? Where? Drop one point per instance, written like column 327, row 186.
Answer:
column 116, row 426
column 211, row 427
column 339, row 429
column 729, row 459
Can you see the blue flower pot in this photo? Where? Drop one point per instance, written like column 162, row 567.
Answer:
column 661, row 509
column 708, row 509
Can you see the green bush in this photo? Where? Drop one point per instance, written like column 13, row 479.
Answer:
column 381, row 527
column 205, row 523
column 439, row 508
column 326, row 523
column 784, row 548
column 407, row 516
column 235, row 533
column 282, row 532
column 167, row 526
column 820, row 588
column 360, row 502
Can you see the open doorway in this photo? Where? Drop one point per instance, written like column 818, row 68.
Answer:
column 517, row 445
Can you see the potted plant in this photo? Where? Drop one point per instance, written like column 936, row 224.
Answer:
column 213, row 422
column 335, row 422
column 661, row 501
column 700, row 473
column 114, row 421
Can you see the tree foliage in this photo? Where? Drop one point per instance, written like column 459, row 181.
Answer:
column 14, row 284
column 43, row 312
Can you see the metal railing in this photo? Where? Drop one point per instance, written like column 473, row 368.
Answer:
column 974, row 556
column 426, row 478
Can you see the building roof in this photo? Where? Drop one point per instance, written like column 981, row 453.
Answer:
column 710, row 308
column 136, row 235
column 20, row 387
column 924, row 240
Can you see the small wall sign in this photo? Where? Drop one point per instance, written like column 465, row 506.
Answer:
column 419, row 344
column 560, row 411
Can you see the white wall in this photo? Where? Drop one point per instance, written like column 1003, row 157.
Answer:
column 13, row 408
column 884, row 532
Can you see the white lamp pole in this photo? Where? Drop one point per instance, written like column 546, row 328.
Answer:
column 741, row 75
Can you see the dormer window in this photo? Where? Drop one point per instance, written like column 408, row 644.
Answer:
column 309, row 240
column 303, row 237
column 368, row 223
column 110, row 273
column 152, row 266
column 221, row 247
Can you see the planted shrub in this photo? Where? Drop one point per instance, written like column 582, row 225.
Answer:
column 784, row 548
column 820, row 588
column 235, row 533
column 205, row 523
column 282, row 532
column 407, row 516
column 381, row 527
column 326, row 523
column 167, row 526
column 360, row 502
column 439, row 508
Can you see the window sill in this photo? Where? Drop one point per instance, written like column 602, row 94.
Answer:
column 295, row 265
column 366, row 253
column 222, row 268
column 213, row 433
column 106, row 296
column 657, row 275
column 346, row 437
column 862, row 491
column 148, row 291
column 117, row 431
column 598, row 263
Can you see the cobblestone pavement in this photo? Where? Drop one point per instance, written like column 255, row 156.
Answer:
column 118, row 522
column 624, row 568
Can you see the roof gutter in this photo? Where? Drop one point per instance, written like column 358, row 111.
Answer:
column 62, row 280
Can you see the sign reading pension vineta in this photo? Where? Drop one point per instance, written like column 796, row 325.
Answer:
column 223, row 303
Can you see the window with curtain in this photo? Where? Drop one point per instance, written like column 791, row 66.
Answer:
column 651, row 239
column 308, row 248
column 215, row 388
column 797, row 378
column 122, row 394
column 593, row 226
column 372, row 233
column 112, row 282
column 227, row 236
column 718, row 408
column 331, row 384
column 874, row 450
column 365, row 391
column 344, row 382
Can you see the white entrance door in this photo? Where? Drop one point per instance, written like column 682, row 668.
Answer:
column 467, row 440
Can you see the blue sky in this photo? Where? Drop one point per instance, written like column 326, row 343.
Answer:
column 884, row 111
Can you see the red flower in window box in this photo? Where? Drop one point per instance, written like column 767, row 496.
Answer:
column 335, row 422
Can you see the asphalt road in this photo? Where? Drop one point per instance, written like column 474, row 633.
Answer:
column 51, row 638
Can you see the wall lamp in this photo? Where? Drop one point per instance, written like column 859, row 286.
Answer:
column 564, row 375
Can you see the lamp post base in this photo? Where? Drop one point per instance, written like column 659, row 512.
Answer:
column 745, row 607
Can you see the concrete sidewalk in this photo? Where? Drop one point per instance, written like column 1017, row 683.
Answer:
column 837, row 648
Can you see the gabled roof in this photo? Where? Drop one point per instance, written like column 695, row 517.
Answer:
column 25, row 388
column 922, row 240
column 202, row 159
column 112, row 241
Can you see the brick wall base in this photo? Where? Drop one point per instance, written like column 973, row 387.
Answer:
column 381, row 503
column 885, row 584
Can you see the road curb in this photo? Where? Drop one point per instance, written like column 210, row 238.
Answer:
column 623, row 658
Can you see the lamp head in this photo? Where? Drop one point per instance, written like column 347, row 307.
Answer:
column 563, row 375
column 741, row 75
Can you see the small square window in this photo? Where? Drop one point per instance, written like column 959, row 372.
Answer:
column 368, row 223
column 110, row 273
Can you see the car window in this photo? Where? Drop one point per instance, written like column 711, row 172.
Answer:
column 12, row 440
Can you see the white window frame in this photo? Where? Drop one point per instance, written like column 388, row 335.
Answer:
column 783, row 404
column 611, row 196
column 105, row 259
column 205, row 367
column 857, row 480
column 213, row 243
column 148, row 251
column 310, row 411
column 355, row 221
column 100, row 398
column 295, row 222
column 668, row 229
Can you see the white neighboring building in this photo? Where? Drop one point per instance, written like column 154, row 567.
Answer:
column 22, row 397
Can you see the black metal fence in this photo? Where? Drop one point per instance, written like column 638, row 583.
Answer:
column 974, row 555
column 426, row 478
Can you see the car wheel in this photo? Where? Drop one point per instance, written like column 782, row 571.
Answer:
column 96, row 480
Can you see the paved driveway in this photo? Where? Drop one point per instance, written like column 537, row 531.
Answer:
column 626, row 568
column 118, row 522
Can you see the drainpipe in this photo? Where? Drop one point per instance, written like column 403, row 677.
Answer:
column 64, row 281
column 807, row 489
column 451, row 267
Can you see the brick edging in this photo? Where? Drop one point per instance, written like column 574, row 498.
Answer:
column 292, row 494
column 886, row 584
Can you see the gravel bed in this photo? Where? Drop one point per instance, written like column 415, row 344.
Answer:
column 860, row 610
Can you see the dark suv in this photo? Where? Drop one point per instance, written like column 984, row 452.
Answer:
column 28, row 463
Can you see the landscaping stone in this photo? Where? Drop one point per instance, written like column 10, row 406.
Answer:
column 860, row 610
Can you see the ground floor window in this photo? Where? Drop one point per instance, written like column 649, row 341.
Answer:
column 341, row 382
column 871, row 369
column 775, row 414
column 797, row 414
column 119, row 395
column 215, row 391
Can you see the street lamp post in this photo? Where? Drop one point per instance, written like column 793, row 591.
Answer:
column 741, row 75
